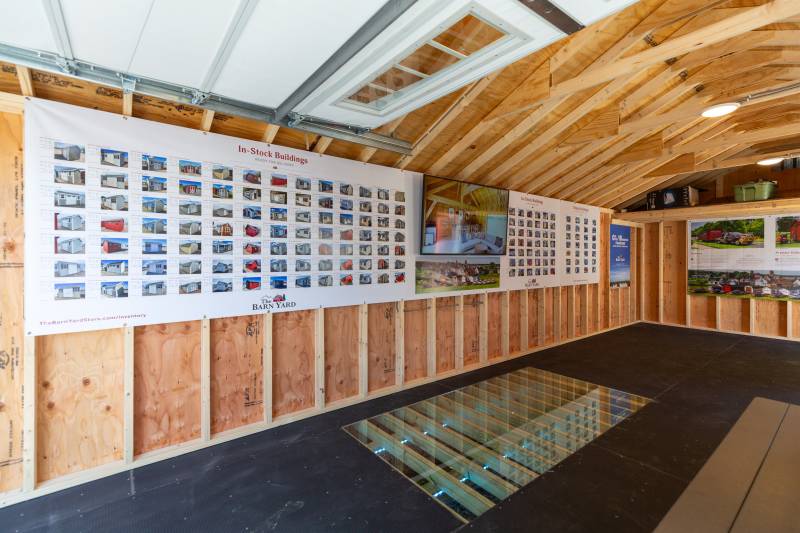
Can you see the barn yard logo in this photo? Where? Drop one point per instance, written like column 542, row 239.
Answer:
column 271, row 303
column 5, row 359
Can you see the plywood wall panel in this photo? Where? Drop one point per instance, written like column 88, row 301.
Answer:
column 613, row 307
column 533, row 318
column 703, row 311
column 734, row 314
column 770, row 317
column 495, row 343
column 472, row 336
column 381, row 346
column 166, row 385
column 549, row 320
column 795, row 333
column 592, row 306
column 624, row 306
column 674, row 274
column 292, row 361
column 514, row 321
column 237, row 372
column 11, row 311
column 650, row 270
column 341, row 353
column 416, row 339
column 79, row 401
column 445, row 334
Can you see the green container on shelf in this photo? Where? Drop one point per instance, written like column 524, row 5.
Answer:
column 754, row 190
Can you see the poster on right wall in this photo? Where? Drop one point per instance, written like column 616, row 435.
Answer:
column 756, row 257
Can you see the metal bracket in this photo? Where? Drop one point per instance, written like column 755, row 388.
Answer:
column 198, row 97
column 295, row 119
column 128, row 84
column 67, row 66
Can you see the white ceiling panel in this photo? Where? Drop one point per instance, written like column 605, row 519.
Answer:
column 24, row 24
column 180, row 39
column 285, row 42
column 588, row 11
column 106, row 32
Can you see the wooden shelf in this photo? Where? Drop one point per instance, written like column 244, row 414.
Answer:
column 766, row 207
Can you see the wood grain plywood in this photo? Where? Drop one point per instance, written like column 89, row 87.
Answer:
column 514, row 298
column 237, row 372
column 548, row 315
column 166, row 385
column 564, row 312
column 704, row 311
column 445, row 334
column 624, row 305
column 11, row 304
column 381, row 346
column 591, row 305
column 651, row 271
column 495, row 325
column 533, row 318
column 341, row 353
column 472, row 335
column 292, row 361
column 734, row 314
column 603, row 256
column 415, row 339
column 674, row 277
column 770, row 318
column 79, row 400
column 795, row 319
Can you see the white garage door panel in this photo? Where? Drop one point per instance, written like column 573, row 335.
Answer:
column 23, row 23
column 588, row 11
column 105, row 32
column 285, row 42
column 181, row 38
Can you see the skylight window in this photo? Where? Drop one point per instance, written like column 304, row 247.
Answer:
column 458, row 42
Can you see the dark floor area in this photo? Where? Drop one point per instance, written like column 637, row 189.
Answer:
column 311, row 476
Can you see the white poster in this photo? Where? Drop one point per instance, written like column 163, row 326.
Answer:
column 745, row 257
column 132, row 222
column 551, row 243
column 533, row 237
column 580, row 227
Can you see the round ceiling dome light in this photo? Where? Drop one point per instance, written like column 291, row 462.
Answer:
column 720, row 110
column 770, row 161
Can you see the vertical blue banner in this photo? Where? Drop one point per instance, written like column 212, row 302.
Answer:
column 620, row 256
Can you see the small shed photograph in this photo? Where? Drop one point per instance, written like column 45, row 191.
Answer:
column 400, row 265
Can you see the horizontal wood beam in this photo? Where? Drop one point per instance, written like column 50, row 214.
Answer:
column 766, row 207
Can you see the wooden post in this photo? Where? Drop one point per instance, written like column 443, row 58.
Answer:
column 484, row 327
column 205, row 380
column 267, row 364
column 718, row 312
column 642, row 272
column 504, row 325
column 661, row 272
column 319, row 358
column 363, row 350
column 789, row 320
column 752, row 308
column 430, row 317
column 29, row 415
column 399, row 343
column 584, row 311
column 128, row 394
column 523, row 320
column 459, row 332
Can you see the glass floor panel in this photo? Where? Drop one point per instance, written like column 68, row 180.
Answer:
column 472, row 447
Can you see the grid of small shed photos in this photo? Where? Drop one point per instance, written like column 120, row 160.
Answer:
column 532, row 243
column 144, row 224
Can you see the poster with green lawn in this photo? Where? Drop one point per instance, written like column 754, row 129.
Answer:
column 465, row 274
column 787, row 232
column 727, row 234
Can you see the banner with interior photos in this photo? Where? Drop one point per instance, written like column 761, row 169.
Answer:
column 132, row 222
column 550, row 243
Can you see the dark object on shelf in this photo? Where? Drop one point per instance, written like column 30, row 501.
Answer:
column 677, row 197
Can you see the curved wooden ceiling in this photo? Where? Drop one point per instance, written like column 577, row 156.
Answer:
column 601, row 117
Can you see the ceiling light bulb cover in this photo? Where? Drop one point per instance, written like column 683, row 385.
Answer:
column 720, row 110
column 770, row 161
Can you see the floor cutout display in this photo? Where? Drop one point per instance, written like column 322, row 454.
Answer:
column 472, row 447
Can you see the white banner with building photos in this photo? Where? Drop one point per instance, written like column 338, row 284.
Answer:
column 550, row 243
column 132, row 222
column 746, row 257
